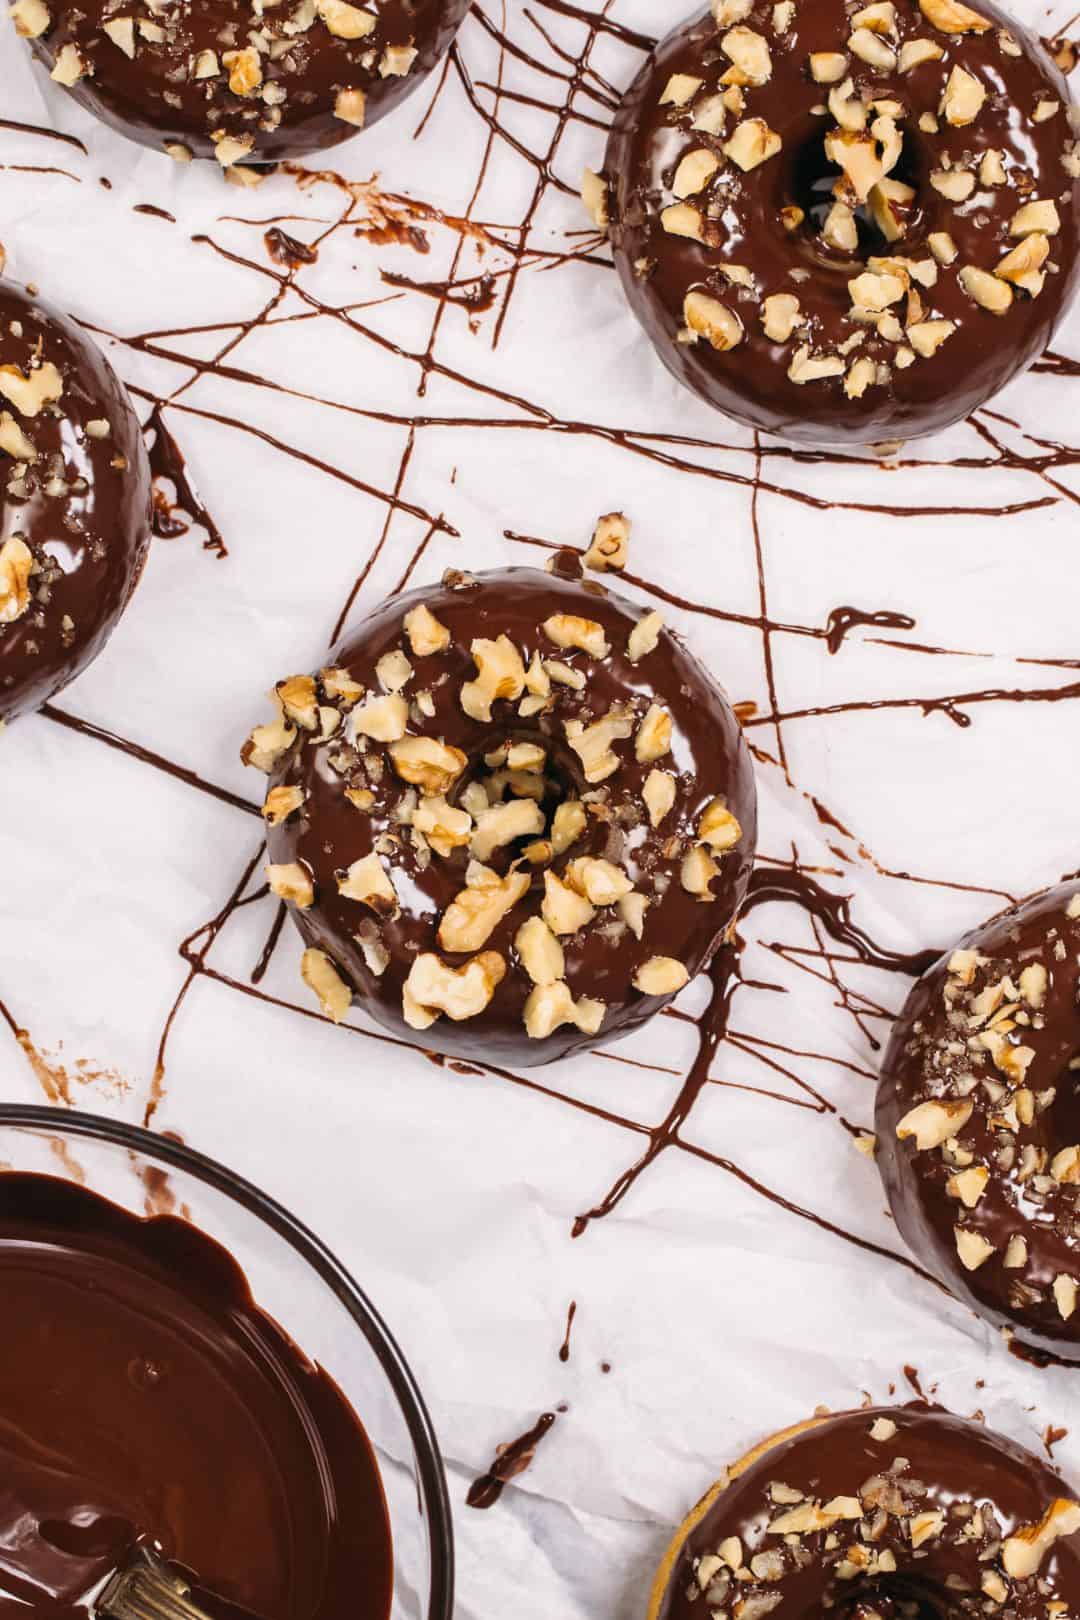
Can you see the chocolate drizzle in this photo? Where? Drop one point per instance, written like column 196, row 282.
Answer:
column 510, row 1460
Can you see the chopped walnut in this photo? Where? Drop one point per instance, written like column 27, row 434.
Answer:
column 932, row 1123
column 280, row 803
column 1023, row 1552
column 594, row 196
column 719, row 828
column 658, row 792
column 752, row 143
column 914, row 52
column 445, row 826
column 393, row 671
column 828, row 67
column 963, row 98
column 780, row 315
column 986, row 290
column 697, row 873
column 427, row 763
column 267, row 744
column 383, row 719
column 680, row 89
column 549, row 1006
column 292, row 882
column 478, row 908
column 694, row 172
column 974, row 1250
column 16, row 566
column 953, row 18
column 570, row 630
column 653, row 738
column 682, row 220
column 562, row 908
column 749, row 51
column 340, row 687
column 500, row 674
column 610, row 543
column 567, row 825
column 592, row 744
column 69, row 67
column 540, row 952
column 321, row 976
column 600, row 881
column 660, row 976
column 345, row 21
column 31, row 18
column 502, row 823
column 707, row 317
column 350, row 106
column 368, row 882
column 433, row 987
column 644, row 638
column 31, row 391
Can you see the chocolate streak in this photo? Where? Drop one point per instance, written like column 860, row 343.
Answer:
column 511, row 1460
column 952, row 1466
column 751, row 381
column 144, row 1393
column 155, row 97
column 82, row 505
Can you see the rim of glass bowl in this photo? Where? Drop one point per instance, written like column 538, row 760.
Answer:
column 432, row 1475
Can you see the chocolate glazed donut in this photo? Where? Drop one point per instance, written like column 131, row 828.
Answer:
column 74, row 501
column 841, row 222
column 232, row 80
column 513, row 815
column 887, row 1511
column 977, row 1121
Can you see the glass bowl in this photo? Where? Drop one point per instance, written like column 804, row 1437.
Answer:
column 300, row 1284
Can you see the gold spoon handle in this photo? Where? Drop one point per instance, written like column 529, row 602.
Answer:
column 147, row 1589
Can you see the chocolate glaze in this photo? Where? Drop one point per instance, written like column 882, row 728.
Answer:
column 144, row 1393
column 82, row 506
column 156, row 98
column 708, row 755
column 1022, row 1196
column 953, row 1466
column 750, row 382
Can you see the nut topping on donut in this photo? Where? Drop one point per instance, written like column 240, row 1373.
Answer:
column 458, row 856
column 724, row 151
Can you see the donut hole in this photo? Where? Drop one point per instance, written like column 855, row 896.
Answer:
column 519, row 768
column 812, row 178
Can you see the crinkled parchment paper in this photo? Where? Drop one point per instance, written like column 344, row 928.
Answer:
column 455, row 381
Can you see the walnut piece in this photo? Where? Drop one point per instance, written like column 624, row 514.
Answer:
column 383, row 719
column 427, row 763
column 987, row 290
column 610, row 543
column 321, row 976
column 592, row 744
column 540, row 952
column 707, row 317
column 368, row 882
column 445, row 826
column 31, row 18
column 551, row 1005
column 567, row 825
column 658, row 791
column 31, row 391
column 594, row 196
column 345, row 21
column 500, row 674
column 752, row 142
column 291, row 882
column 350, row 106
column 660, row 976
column 433, row 987
column 600, row 881
column 476, row 910
column 281, row 803
column 697, row 873
column 1023, row 1551
column 562, row 908
column 953, row 18
column 502, row 823
column 780, row 315
column 719, row 828
column 570, row 630
column 393, row 671
column 932, row 1123
column 16, row 566
column 653, row 739
column 694, row 172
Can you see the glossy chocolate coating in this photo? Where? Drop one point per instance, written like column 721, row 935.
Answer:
column 1021, row 1197
column 750, row 382
column 158, row 98
column 707, row 753
column 952, row 1467
column 82, row 506
column 143, row 1393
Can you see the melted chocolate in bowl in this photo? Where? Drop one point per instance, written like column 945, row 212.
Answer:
column 144, row 1393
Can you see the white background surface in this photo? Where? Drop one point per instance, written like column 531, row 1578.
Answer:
column 452, row 1196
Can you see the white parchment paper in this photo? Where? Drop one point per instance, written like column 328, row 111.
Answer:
column 348, row 432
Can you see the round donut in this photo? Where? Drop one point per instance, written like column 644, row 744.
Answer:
column 888, row 1511
column 841, row 222
column 223, row 79
column 75, row 502
column 513, row 815
column 977, row 1123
